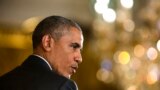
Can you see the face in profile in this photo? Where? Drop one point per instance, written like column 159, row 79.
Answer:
column 66, row 53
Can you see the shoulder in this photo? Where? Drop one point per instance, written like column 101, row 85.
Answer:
column 62, row 82
column 69, row 85
column 34, row 73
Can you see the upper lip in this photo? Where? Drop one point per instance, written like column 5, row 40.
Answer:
column 75, row 67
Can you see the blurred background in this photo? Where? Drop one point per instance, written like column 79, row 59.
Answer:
column 121, row 48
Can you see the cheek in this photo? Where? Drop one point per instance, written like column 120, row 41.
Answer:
column 68, row 58
column 65, row 62
column 68, row 61
column 66, row 55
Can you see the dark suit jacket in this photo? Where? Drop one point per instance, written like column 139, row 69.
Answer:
column 34, row 74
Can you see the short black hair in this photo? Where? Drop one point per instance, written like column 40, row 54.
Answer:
column 54, row 25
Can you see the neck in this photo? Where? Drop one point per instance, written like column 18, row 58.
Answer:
column 41, row 53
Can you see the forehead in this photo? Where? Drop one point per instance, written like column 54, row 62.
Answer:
column 73, row 36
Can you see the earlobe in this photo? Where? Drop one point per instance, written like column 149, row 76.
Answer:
column 46, row 42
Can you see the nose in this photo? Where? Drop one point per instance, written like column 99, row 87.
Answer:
column 78, row 57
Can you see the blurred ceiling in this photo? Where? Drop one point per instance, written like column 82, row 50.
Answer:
column 16, row 11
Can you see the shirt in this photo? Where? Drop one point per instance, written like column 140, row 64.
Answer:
column 44, row 60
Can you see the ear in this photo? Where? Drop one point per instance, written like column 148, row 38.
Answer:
column 47, row 42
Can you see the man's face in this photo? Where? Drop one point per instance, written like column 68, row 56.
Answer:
column 66, row 53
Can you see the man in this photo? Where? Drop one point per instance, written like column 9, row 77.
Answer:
column 57, row 44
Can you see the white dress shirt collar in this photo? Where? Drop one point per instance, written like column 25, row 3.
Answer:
column 44, row 60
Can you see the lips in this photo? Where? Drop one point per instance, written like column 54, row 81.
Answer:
column 74, row 68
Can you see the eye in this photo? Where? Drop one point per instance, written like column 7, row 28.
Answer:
column 75, row 45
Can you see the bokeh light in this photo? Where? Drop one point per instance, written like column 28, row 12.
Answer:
column 106, row 64
column 101, row 5
column 124, row 57
column 105, row 76
column 127, row 3
column 132, row 87
column 30, row 23
column 129, row 25
column 153, row 74
column 158, row 45
column 135, row 64
column 109, row 15
column 152, row 53
column 139, row 50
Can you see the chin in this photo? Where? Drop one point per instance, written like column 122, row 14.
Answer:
column 69, row 76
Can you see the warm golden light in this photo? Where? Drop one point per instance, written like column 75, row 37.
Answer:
column 104, row 75
column 151, row 78
column 139, row 50
column 153, row 74
column 133, row 87
column 124, row 57
column 135, row 64
column 17, row 41
column 30, row 23
column 129, row 25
